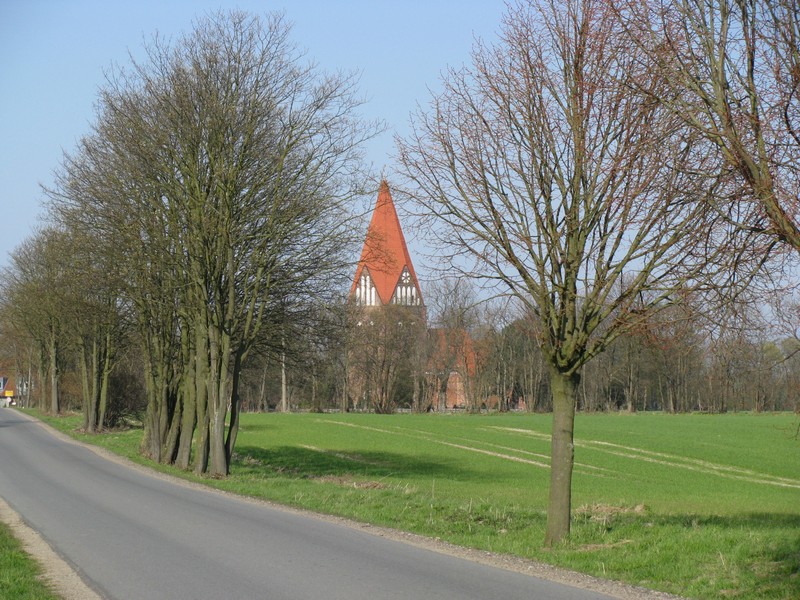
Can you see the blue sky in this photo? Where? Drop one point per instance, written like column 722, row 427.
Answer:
column 53, row 54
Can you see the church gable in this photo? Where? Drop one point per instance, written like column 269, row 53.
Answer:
column 385, row 273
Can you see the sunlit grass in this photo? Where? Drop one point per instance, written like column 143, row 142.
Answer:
column 698, row 505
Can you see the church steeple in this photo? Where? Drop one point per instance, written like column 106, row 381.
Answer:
column 385, row 273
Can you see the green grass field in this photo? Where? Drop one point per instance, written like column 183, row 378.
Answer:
column 697, row 505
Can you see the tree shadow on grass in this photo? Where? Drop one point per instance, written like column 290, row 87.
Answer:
column 251, row 427
column 747, row 555
column 302, row 463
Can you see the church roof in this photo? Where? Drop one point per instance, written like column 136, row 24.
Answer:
column 385, row 253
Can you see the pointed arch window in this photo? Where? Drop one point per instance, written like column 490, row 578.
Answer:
column 406, row 291
column 366, row 294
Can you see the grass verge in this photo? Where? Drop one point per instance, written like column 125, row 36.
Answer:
column 19, row 573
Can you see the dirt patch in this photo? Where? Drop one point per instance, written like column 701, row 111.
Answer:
column 345, row 481
column 599, row 512
column 593, row 547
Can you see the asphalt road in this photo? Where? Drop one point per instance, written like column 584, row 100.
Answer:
column 131, row 535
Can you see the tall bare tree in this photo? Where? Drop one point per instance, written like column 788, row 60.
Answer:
column 453, row 316
column 547, row 174
column 95, row 322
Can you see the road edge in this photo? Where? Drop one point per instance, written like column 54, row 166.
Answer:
column 608, row 587
column 59, row 576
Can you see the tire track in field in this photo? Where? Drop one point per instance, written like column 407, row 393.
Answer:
column 673, row 460
column 344, row 456
column 694, row 464
column 419, row 435
column 425, row 436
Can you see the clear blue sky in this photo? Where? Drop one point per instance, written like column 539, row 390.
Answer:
column 53, row 54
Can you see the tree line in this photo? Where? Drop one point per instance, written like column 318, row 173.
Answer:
column 612, row 167
column 205, row 209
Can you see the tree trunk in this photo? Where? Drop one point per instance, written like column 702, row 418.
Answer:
column 41, row 376
column 108, row 366
column 284, row 386
column 203, row 446
column 94, row 387
column 233, row 427
column 633, row 377
column 53, row 360
column 219, row 359
column 157, row 381
column 188, row 421
column 173, row 434
column 151, row 443
column 29, row 383
column 344, row 401
column 564, row 387
column 102, row 410
column 88, row 405
column 183, row 455
column 263, row 405
column 168, row 397
column 201, row 375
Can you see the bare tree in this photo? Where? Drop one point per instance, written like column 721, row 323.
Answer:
column 96, row 323
column 510, row 372
column 676, row 342
column 546, row 173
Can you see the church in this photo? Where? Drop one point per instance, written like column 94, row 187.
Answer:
column 385, row 273
column 395, row 360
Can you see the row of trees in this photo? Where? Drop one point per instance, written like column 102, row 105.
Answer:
column 678, row 360
column 672, row 363
column 682, row 358
column 206, row 210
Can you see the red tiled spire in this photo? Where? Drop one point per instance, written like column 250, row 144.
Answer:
column 385, row 254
